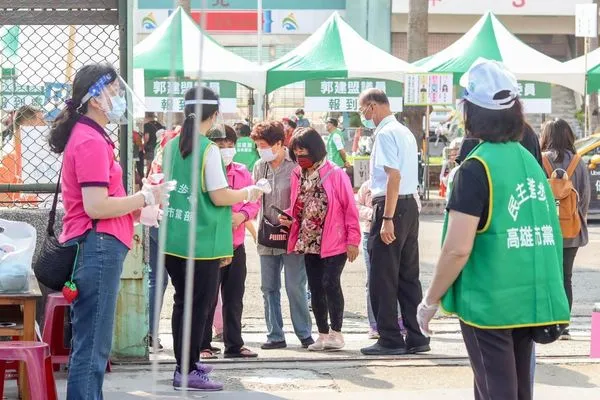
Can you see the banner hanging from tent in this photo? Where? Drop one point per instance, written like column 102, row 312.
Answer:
column 428, row 89
column 536, row 97
column 341, row 95
column 165, row 95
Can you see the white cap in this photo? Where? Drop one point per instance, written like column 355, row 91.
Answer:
column 485, row 80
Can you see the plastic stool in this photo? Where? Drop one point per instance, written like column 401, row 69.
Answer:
column 595, row 337
column 54, row 333
column 36, row 356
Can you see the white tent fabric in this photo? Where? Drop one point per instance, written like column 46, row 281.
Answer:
column 577, row 67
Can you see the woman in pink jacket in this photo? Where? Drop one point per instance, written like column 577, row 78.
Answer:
column 324, row 228
column 233, row 271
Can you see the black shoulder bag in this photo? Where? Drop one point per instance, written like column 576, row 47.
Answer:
column 269, row 235
column 55, row 263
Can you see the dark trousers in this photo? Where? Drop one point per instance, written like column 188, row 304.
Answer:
column 326, row 289
column 206, row 284
column 394, row 275
column 232, row 280
column 569, row 254
column 501, row 362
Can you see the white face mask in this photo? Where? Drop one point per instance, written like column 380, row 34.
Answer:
column 227, row 155
column 267, row 154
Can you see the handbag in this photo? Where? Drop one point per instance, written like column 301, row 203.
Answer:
column 270, row 235
column 55, row 264
column 548, row 333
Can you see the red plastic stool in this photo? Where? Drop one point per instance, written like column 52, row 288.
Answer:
column 36, row 356
column 54, row 333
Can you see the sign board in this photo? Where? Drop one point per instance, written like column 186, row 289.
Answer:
column 536, row 97
column 498, row 7
column 342, row 94
column 586, row 20
column 164, row 95
column 361, row 171
column 428, row 89
column 248, row 4
column 15, row 95
column 287, row 21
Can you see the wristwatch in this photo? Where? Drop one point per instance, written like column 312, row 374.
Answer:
column 388, row 218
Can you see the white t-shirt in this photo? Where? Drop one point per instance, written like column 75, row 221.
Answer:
column 337, row 140
column 214, row 176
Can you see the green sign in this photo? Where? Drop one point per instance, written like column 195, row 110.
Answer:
column 342, row 94
column 536, row 97
column 15, row 95
column 10, row 72
column 164, row 95
column 249, row 4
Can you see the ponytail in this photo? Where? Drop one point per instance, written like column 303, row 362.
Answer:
column 186, row 140
column 61, row 129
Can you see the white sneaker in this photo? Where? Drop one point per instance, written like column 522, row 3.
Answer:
column 335, row 341
column 319, row 345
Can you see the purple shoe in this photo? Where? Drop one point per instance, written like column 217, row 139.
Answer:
column 197, row 381
column 204, row 368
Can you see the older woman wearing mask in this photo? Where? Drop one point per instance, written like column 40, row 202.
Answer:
column 324, row 228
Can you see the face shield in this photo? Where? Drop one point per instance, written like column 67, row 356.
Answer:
column 217, row 131
column 116, row 99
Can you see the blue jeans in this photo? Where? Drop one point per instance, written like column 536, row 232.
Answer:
column 295, row 286
column 153, row 288
column 370, row 315
column 532, row 368
column 97, row 276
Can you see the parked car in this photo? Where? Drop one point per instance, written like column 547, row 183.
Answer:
column 589, row 150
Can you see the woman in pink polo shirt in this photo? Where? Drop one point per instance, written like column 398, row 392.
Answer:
column 98, row 214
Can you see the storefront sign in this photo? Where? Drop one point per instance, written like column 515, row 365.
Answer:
column 164, row 95
column 498, row 7
column 248, row 4
column 288, row 21
column 428, row 89
column 342, row 94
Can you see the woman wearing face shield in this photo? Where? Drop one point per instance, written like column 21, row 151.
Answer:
column 214, row 238
column 99, row 215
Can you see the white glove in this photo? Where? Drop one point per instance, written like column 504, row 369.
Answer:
column 159, row 218
column 425, row 314
column 157, row 194
column 254, row 193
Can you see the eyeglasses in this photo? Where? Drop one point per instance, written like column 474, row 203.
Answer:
column 363, row 109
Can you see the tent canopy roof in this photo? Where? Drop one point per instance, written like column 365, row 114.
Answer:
column 490, row 39
column 179, row 46
column 335, row 50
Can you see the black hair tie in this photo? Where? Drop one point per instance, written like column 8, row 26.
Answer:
column 71, row 106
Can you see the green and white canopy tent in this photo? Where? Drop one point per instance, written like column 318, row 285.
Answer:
column 490, row 39
column 335, row 50
column 577, row 67
column 180, row 47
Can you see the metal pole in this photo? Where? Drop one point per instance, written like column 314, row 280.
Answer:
column 586, row 96
column 426, row 177
column 259, row 28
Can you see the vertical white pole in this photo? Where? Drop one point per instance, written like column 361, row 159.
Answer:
column 586, row 97
column 259, row 22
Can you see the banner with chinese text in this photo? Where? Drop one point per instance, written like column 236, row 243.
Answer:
column 536, row 97
column 428, row 89
column 341, row 95
column 164, row 95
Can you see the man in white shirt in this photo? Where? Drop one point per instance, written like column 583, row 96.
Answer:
column 394, row 238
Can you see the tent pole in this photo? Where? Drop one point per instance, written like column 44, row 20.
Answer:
column 586, row 95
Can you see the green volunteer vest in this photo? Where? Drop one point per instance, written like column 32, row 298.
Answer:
column 213, row 223
column 514, row 275
column 246, row 153
column 333, row 153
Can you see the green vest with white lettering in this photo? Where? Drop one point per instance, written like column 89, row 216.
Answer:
column 214, row 238
column 245, row 152
column 333, row 154
column 514, row 276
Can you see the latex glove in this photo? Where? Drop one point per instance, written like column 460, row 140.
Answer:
column 283, row 220
column 254, row 193
column 159, row 218
column 157, row 194
column 425, row 314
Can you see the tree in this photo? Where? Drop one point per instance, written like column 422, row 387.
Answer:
column 417, row 38
column 186, row 5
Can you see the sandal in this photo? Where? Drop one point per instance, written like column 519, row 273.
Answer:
column 207, row 354
column 215, row 350
column 243, row 353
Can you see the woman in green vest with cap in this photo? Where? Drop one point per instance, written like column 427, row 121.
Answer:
column 500, row 270
column 214, row 239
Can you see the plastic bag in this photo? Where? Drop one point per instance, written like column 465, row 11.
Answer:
column 17, row 246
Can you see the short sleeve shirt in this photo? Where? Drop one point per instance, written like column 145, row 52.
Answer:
column 89, row 161
column 395, row 147
column 338, row 142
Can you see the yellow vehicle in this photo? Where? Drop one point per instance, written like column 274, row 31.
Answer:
column 589, row 150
